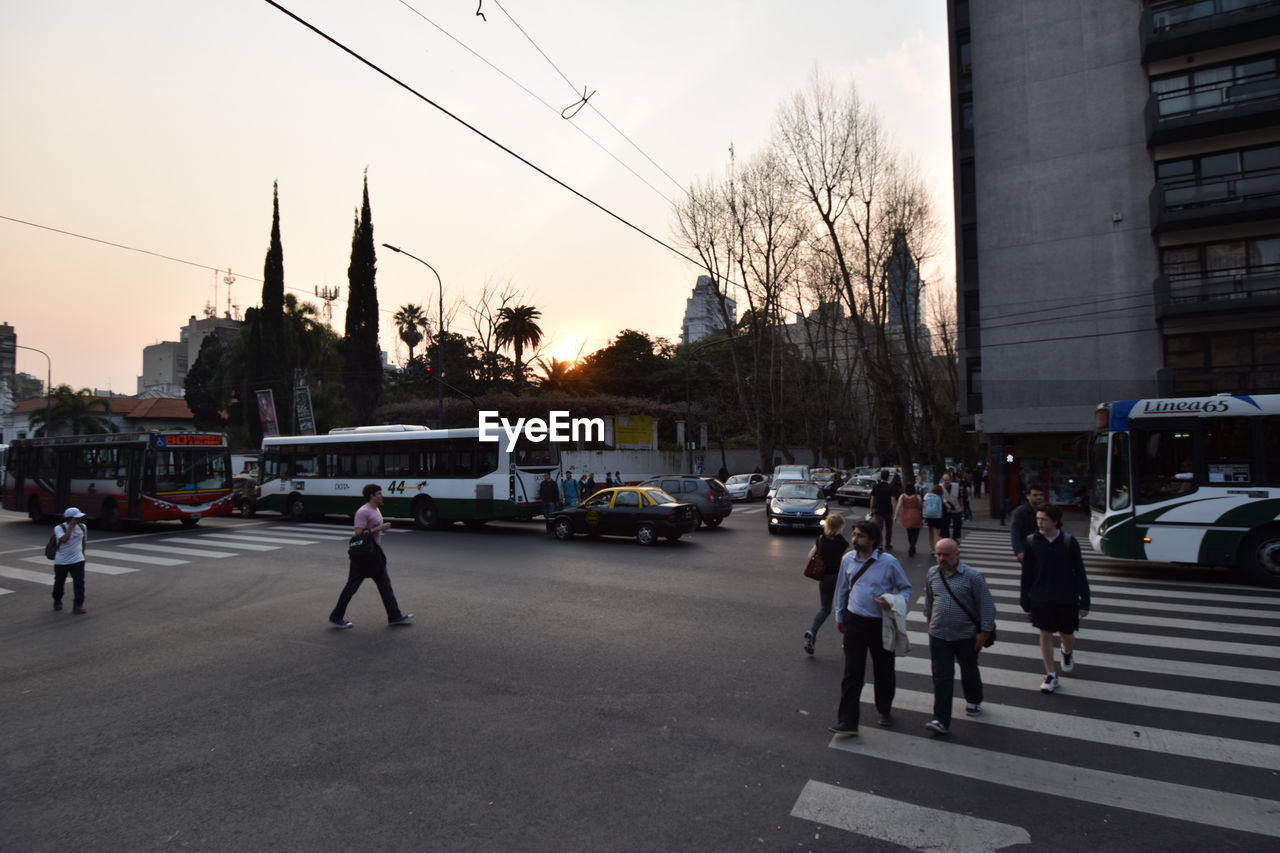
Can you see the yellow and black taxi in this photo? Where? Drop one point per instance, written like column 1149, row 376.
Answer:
column 643, row 512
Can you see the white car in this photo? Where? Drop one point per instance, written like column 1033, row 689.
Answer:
column 747, row 487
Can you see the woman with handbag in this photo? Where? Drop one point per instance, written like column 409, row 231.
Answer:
column 830, row 548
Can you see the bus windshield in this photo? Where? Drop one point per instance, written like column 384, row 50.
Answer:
column 543, row 455
column 190, row 470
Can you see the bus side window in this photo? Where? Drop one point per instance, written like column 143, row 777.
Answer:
column 1271, row 448
column 270, row 466
column 1163, row 454
column 1120, row 496
column 1229, row 450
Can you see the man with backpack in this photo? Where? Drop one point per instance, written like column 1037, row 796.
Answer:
column 69, row 559
column 934, row 513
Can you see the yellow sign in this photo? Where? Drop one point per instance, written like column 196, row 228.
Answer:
column 633, row 431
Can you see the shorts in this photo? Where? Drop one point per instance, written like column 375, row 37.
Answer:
column 1056, row 618
column 935, row 523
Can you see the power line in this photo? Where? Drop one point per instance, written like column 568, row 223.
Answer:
column 159, row 255
column 593, row 107
column 478, row 132
column 539, row 99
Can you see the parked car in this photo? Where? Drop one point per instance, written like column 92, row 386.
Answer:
column 856, row 491
column 797, row 505
column 645, row 513
column 783, row 473
column 747, row 487
column 707, row 494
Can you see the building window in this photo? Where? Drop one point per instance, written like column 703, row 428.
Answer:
column 1230, row 269
column 1216, row 87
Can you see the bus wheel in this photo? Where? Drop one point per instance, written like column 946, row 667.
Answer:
column 109, row 516
column 296, row 510
column 247, row 509
column 189, row 522
column 425, row 515
column 1259, row 558
column 33, row 510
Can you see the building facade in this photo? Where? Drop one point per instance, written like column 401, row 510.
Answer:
column 165, row 364
column 702, row 314
column 1117, row 198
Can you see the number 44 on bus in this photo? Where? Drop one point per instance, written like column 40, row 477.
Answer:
column 1191, row 480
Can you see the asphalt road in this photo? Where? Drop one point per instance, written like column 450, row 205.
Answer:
column 598, row 695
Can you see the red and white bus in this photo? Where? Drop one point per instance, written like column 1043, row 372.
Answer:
column 114, row 477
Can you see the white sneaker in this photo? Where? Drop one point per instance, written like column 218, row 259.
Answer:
column 973, row 710
column 937, row 727
column 1050, row 683
column 1068, row 662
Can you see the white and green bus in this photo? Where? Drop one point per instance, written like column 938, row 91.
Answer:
column 1191, row 480
column 435, row 477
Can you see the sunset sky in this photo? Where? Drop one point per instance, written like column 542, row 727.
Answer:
column 161, row 124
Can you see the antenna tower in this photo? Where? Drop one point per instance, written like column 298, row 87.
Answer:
column 328, row 294
column 233, row 311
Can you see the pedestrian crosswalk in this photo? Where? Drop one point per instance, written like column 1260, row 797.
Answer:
column 1199, row 659
column 122, row 555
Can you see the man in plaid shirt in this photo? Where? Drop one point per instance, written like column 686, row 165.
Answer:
column 954, row 597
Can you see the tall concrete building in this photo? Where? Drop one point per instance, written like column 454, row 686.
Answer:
column 165, row 364
column 702, row 315
column 1117, row 197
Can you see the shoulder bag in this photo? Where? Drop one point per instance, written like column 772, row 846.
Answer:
column 815, row 567
column 51, row 547
column 361, row 548
column 991, row 639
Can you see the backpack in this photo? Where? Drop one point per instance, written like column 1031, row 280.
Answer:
column 932, row 506
column 51, row 547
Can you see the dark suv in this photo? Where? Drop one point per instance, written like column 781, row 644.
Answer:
column 707, row 494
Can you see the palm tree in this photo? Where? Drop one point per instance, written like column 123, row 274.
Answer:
column 555, row 374
column 75, row 412
column 410, row 321
column 518, row 327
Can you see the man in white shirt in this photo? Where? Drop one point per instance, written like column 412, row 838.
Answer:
column 72, row 546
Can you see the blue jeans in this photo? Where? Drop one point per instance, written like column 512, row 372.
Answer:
column 548, row 508
column 943, row 655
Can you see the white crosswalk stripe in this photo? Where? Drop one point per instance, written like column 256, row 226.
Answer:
column 1144, row 619
column 115, row 556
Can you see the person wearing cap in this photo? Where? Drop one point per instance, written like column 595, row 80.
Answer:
column 69, row 560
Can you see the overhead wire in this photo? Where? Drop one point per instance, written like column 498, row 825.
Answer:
column 593, row 107
column 372, row 65
column 539, row 99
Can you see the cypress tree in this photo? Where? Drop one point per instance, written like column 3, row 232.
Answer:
column 362, row 373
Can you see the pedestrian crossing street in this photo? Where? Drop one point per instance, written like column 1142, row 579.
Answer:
column 1202, row 658
column 126, row 554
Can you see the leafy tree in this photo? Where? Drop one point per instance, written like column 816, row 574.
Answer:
column 75, row 412
column 518, row 327
column 633, row 365
column 362, row 374
column 202, row 394
column 410, row 322
column 556, row 375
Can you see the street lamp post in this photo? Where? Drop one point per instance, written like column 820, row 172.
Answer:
column 688, row 396
column 439, row 331
column 48, row 385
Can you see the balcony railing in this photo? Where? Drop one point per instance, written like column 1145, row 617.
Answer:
column 1225, row 290
column 1242, row 103
column 1183, row 26
column 1226, row 198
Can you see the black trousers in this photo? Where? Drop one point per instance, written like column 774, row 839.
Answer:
column 76, row 570
column 355, row 576
column 944, row 655
column 862, row 637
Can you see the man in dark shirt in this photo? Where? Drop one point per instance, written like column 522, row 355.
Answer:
column 1023, row 523
column 882, row 496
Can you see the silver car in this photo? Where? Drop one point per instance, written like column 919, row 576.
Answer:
column 747, row 487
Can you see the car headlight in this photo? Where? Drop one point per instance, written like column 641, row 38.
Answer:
column 822, row 510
